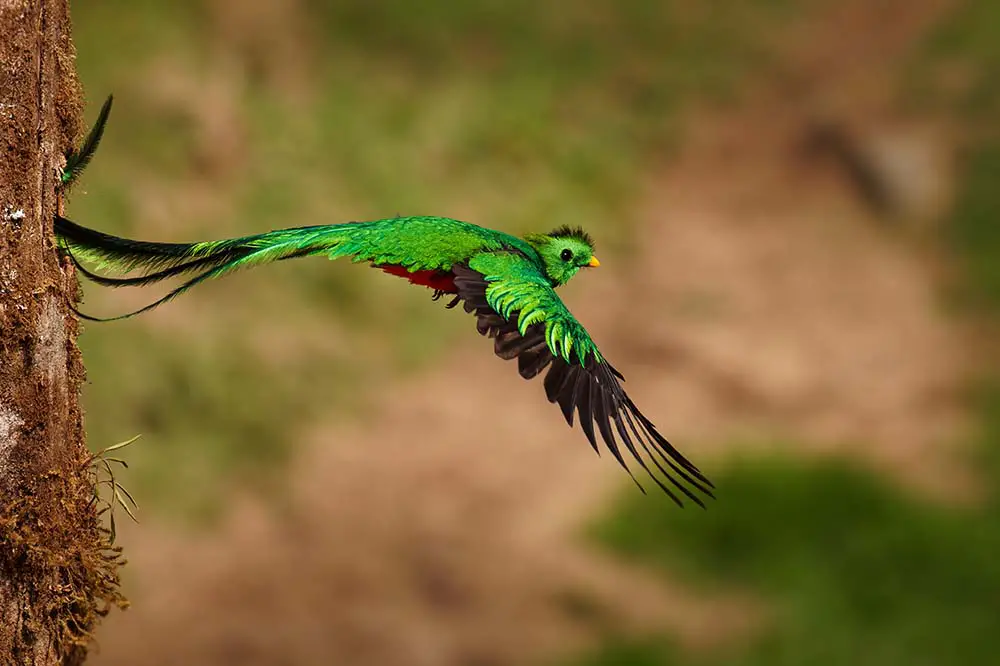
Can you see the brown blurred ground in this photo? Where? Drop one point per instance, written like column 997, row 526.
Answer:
column 767, row 299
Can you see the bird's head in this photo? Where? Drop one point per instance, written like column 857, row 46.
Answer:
column 564, row 252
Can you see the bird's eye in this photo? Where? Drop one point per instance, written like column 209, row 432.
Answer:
column 566, row 254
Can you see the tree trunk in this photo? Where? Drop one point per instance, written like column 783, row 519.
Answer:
column 58, row 571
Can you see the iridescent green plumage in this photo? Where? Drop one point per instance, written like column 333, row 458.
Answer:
column 507, row 282
column 77, row 160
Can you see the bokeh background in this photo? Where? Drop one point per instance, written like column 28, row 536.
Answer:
column 797, row 207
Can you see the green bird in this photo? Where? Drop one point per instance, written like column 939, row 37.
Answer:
column 507, row 282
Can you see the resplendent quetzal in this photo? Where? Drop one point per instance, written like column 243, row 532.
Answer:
column 507, row 282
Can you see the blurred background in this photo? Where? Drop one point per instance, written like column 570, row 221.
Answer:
column 796, row 209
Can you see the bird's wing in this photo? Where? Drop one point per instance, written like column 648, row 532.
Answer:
column 515, row 305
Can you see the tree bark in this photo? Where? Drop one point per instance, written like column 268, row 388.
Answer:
column 58, row 570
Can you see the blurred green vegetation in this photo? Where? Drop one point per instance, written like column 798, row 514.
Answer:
column 959, row 67
column 517, row 115
column 856, row 570
column 975, row 234
column 957, row 75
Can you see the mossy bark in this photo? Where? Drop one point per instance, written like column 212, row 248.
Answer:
column 58, row 572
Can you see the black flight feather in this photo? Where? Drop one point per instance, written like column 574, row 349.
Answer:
column 592, row 390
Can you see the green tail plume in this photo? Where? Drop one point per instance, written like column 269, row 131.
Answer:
column 77, row 160
column 207, row 260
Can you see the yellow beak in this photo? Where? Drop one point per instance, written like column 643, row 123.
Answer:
column 594, row 263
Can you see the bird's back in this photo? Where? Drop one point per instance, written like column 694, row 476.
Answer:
column 420, row 242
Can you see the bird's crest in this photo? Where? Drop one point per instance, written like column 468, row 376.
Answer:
column 573, row 232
